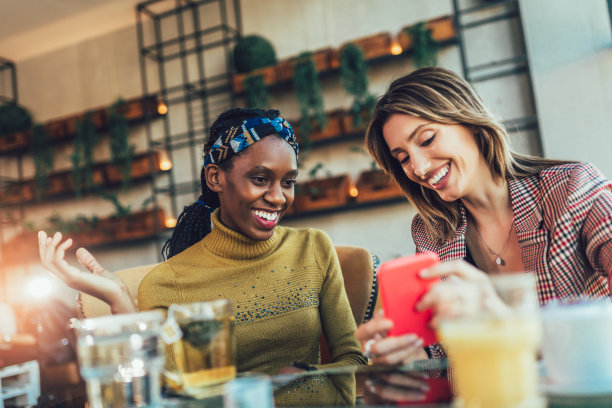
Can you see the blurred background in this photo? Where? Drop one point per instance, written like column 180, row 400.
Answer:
column 106, row 104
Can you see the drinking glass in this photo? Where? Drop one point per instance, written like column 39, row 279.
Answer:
column 121, row 358
column 202, row 345
column 493, row 349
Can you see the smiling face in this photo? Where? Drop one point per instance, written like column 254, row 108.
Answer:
column 444, row 158
column 258, row 188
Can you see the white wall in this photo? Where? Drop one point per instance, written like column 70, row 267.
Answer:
column 570, row 51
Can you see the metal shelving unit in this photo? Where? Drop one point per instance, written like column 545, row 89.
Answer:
column 483, row 13
column 185, row 57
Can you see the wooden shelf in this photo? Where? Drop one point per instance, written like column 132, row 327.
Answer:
column 61, row 184
column 376, row 47
column 133, row 227
column 64, row 129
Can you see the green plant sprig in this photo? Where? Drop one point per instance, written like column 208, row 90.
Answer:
column 424, row 46
column 354, row 78
column 308, row 93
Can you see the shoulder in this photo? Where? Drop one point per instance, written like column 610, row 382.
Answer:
column 421, row 235
column 572, row 181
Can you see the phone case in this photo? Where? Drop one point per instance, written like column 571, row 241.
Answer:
column 400, row 290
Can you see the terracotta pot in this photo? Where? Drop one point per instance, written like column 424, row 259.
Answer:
column 322, row 193
column 443, row 29
column 375, row 185
column 139, row 225
column 268, row 74
column 373, row 46
column 14, row 141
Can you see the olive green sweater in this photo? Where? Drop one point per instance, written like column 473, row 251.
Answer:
column 285, row 291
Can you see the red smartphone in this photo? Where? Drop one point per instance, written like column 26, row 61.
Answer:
column 401, row 288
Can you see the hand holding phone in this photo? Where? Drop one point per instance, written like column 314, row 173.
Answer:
column 400, row 290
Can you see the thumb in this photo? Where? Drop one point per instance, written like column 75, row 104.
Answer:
column 87, row 260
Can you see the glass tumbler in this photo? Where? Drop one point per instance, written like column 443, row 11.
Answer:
column 121, row 358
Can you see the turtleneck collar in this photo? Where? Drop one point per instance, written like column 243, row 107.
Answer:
column 228, row 243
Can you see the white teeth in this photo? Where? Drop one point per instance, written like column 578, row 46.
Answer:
column 270, row 216
column 436, row 179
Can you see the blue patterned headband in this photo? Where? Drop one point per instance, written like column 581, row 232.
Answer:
column 238, row 138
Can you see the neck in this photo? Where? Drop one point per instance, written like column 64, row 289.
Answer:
column 490, row 203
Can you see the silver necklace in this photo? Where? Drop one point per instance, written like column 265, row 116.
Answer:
column 498, row 256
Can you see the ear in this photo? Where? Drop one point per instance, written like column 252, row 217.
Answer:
column 213, row 174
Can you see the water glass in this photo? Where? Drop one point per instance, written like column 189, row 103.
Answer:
column 121, row 358
column 493, row 350
column 249, row 392
column 576, row 343
column 202, row 345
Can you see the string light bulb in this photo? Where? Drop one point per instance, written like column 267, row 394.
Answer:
column 396, row 49
column 165, row 163
column 170, row 222
column 162, row 108
column 353, row 192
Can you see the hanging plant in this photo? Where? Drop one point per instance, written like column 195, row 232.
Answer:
column 122, row 153
column 256, row 92
column 14, row 118
column 42, row 154
column 252, row 52
column 82, row 155
column 424, row 46
column 354, row 78
column 308, row 93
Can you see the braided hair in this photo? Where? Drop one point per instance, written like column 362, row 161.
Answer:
column 194, row 222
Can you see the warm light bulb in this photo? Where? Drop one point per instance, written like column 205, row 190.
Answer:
column 162, row 108
column 170, row 222
column 396, row 49
column 353, row 192
column 165, row 165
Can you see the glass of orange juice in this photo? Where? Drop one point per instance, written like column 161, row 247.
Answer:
column 493, row 351
column 201, row 347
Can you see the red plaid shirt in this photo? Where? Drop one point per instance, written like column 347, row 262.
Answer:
column 563, row 222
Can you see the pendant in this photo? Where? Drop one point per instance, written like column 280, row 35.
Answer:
column 499, row 261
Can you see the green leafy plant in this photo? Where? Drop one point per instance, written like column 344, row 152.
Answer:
column 308, row 93
column 354, row 78
column 120, row 209
column 14, row 118
column 424, row 46
column 253, row 52
column 122, row 153
column 82, row 155
column 42, row 154
column 256, row 92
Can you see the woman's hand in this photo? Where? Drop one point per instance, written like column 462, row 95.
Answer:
column 100, row 283
column 466, row 291
column 381, row 349
column 396, row 387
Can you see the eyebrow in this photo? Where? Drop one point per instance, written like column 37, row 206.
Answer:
column 266, row 169
column 410, row 136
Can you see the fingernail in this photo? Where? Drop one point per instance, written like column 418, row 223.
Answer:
column 424, row 273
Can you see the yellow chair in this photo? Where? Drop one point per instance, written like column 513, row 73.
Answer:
column 358, row 269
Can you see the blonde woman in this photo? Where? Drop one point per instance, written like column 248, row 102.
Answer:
column 483, row 208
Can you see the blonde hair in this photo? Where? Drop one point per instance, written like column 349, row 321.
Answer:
column 441, row 96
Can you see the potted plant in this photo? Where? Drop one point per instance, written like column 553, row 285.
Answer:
column 253, row 53
column 307, row 90
column 321, row 193
column 14, row 121
column 42, row 154
column 122, row 153
column 376, row 185
column 420, row 39
column 354, row 78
